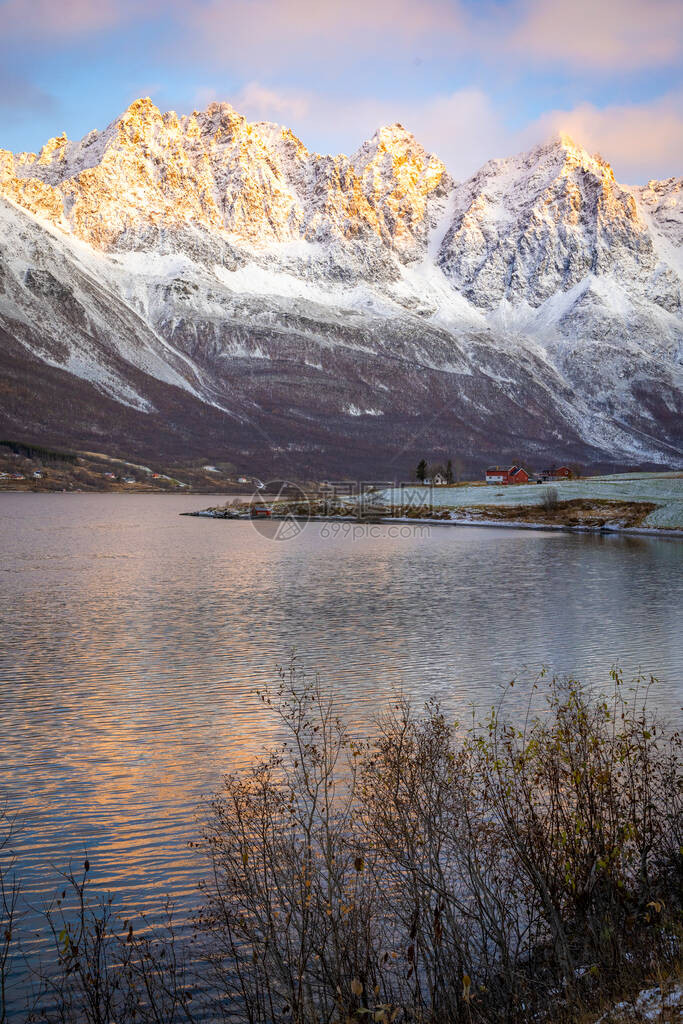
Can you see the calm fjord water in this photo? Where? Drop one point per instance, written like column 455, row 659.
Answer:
column 132, row 642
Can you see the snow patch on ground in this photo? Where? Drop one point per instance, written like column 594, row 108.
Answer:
column 651, row 1004
column 354, row 410
column 254, row 279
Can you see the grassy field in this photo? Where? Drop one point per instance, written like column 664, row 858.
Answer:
column 663, row 490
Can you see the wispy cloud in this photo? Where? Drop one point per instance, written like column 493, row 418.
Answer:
column 597, row 35
column 260, row 103
column 50, row 19
column 465, row 128
column 641, row 141
column 459, row 74
column 281, row 32
column 602, row 35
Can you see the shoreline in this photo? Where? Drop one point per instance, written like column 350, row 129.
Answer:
column 561, row 527
column 651, row 531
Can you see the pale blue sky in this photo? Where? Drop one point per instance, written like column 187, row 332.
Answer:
column 470, row 80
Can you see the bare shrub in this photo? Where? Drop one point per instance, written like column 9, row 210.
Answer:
column 551, row 499
column 502, row 875
column 589, row 803
column 549, row 857
column 104, row 970
column 9, row 898
column 291, row 911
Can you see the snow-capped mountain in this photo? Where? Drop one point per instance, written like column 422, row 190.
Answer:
column 199, row 284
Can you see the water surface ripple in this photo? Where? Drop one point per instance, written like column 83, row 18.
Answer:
column 132, row 643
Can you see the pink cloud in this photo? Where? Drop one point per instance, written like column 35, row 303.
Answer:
column 641, row 141
column 465, row 129
column 294, row 21
column 588, row 34
column 462, row 128
column 254, row 34
column 260, row 103
column 64, row 18
column 600, row 34
column 260, row 36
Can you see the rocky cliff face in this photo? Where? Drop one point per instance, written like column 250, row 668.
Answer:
column 527, row 228
column 221, row 268
column 257, row 183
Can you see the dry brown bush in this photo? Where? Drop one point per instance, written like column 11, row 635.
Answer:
column 501, row 874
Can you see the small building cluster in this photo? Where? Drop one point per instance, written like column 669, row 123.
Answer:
column 519, row 475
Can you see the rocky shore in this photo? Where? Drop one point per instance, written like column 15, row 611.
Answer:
column 576, row 515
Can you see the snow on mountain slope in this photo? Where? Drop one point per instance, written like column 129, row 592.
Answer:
column 56, row 298
column 541, row 222
column 537, row 303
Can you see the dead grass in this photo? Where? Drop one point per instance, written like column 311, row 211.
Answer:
column 593, row 512
column 659, row 1003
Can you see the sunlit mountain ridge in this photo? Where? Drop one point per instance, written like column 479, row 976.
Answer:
column 320, row 298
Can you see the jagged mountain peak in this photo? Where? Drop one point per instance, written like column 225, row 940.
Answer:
column 391, row 135
column 394, row 141
column 577, row 157
column 141, row 109
column 566, row 140
column 219, row 121
column 538, row 299
column 406, row 184
column 283, row 140
column 567, row 143
column 540, row 222
column 559, row 156
column 152, row 172
column 55, row 146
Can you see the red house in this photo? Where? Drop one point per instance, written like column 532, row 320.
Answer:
column 517, row 475
column 513, row 475
column 557, row 473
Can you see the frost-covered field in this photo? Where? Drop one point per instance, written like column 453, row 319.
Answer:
column 666, row 489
